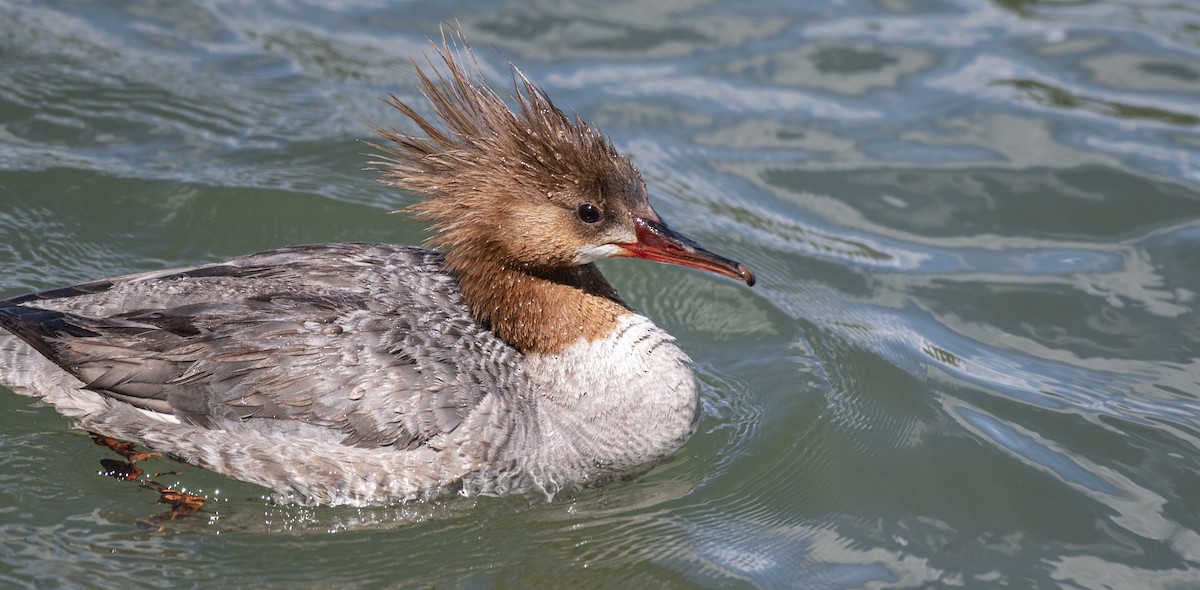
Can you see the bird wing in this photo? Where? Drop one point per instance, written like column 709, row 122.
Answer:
column 369, row 345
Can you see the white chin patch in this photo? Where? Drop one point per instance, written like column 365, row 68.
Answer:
column 589, row 254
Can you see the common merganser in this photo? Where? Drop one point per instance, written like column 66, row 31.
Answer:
column 500, row 362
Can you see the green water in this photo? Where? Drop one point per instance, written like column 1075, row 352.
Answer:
column 971, row 358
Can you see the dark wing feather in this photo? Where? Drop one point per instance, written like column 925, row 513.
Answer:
column 341, row 341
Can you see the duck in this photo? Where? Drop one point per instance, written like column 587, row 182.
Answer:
column 495, row 359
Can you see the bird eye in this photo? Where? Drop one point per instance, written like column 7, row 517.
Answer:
column 589, row 213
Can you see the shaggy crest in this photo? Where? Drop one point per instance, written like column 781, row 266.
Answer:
column 480, row 162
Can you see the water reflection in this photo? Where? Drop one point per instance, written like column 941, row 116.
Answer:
column 842, row 68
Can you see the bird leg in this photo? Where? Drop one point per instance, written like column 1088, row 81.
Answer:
column 182, row 504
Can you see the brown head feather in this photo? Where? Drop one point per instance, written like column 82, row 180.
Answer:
column 501, row 188
column 481, row 165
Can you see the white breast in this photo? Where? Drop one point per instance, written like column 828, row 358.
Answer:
column 610, row 405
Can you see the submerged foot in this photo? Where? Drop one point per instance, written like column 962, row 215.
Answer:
column 127, row 469
column 182, row 504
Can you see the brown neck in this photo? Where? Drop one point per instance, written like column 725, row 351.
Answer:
column 543, row 312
